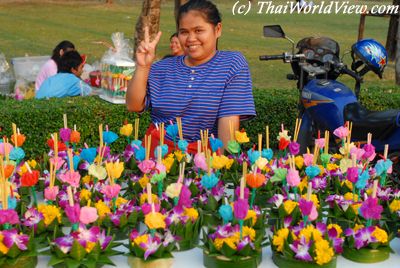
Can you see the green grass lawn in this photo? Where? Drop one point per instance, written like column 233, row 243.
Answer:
column 35, row 27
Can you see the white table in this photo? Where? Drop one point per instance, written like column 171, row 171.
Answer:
column 194, row 259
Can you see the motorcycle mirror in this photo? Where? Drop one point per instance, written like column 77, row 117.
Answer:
column 274, row 31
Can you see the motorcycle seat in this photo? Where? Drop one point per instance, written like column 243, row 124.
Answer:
column 379, row 123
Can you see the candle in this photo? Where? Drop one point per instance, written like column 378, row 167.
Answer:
column 149, row 196
column 14, row 127
column 260, row 143
column 267, row 136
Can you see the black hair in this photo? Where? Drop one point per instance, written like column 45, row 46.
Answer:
column 63, row 45
column 173, row 35
column 207, row 8
column 70, row 59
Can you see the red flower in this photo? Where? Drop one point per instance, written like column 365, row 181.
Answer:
column 61, row 145
column 75, row 136
column 30, row 179
column 283, row 143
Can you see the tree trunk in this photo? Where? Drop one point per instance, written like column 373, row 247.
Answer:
column 150, row 17
column 398, row 54
column 392, row 33
column 178, row 4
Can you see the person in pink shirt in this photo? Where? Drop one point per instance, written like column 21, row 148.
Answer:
column 50, row 67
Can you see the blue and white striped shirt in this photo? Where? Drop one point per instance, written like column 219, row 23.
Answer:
column 202, row 94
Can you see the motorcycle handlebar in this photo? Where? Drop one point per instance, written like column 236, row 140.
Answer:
column 272, row 57
column 352, row 74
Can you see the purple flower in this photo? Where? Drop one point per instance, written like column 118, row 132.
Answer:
column 73, row 212
column 294, row 148
column 301, row 248
column 184, row 197
column 287, row 221
column 364, row 236
column 9, row 216
column 244, row 242
column 65, row 134
column 104, row 240
column 32, row 217
column 240, row 208
column 128, row 153
column 12, row 237
column 370, row 209
column 305, row 207
column 319, row 183
column 223, row 231
column 352, row 174
column 151, row 246
column 337, row 244
column 64, row 243
column 115, row 218
column 369, row 151
column 84, row 235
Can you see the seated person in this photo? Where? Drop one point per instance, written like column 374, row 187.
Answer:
column 66, row 83
column 175, row 46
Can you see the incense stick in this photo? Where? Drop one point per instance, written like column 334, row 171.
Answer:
column 136, row 128
column 267, row 136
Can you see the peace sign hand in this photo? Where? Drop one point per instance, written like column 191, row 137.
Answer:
column 146, row 50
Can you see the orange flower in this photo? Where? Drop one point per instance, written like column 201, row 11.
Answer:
column 255, row 180
column 8, row 171
column 75, row 136
column 20, row 139
column 30, row 179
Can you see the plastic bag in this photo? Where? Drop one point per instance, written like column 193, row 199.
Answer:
column 117, row 67
column 7, row 79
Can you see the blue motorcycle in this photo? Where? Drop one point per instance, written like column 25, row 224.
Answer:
column 326, row 104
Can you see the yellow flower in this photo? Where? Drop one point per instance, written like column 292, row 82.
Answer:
column 141, row 239
column 279, row 239
column 115, row 169
column 289, row 205
column 155, row 220
column 251, row 214
column 331, row 167
column 97, row 171
column 337, row 156
column 179, row 155
column 394, row 206
column 86, row 179
column 314, row 198
column 89, row 246
column 348, row 183
column 337, row 227
column 143, row 181
column 299, row 161
column 191, row 213
column 219, row 162
column 310, row 231
column 229, row 163
column 303, row 184
column 261, row 163
column 50, row 213
column 250, row 232
column 22, row 170
column 144, row 198
column 173, row 190
column 324, row 253
column 85, row 195
column 356, row 207
column 321, row 170
column 230, row 241
column 3, row 248
column 358, row 227
column 168, row 161
column 126, row 130
column 32, row 163
column 241, row 137
column 120, row 201
column 345, row 163
column 380, row 235
column 102, row 209
column 349, row 196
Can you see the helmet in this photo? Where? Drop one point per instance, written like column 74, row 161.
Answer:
column 370, row 55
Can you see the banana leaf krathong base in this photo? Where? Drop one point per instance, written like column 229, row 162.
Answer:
column 220, row 261
column 284, row 262
column 367, row 255
column 136, row 262
column 21, row 262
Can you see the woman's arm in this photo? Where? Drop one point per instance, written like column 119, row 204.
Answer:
column 137, row 88
column 223, row 128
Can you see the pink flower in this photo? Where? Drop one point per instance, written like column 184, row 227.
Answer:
column 358, row 152
column 161, row 168
column 146, row 166
column 65, row 134
column 320, row 143
column 88, row 215
column 2, row 148
column 200, row 162
column 71, row 177
column 58, row 163
column 73, row 213
column 341, row 132
column 370, row 209
column 313, row 214
column 352, row 174
column 111, row 191
column 293, row 178
column 50, row 193
column 240, row 209
column 308, row 159
column 146, row 208
column 9, row 216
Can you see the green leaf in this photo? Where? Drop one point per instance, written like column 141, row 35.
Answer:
column 71, row 263
column 54, row 260
column 14, row 251
column 77, row 251
column 227, row 250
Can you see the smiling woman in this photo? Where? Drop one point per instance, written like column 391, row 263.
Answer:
column 206, row 87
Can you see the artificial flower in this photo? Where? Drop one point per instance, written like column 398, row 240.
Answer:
column 115, row 169
column 255, row 180
column 241, row 136
column 50, row 213
column 126, row 130
column 88, row 215
column 155, row 220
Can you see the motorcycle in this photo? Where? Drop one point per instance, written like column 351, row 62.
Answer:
column 326, row 104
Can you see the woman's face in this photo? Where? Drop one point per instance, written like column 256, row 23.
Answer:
column 198, row 37
column 175, row 46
